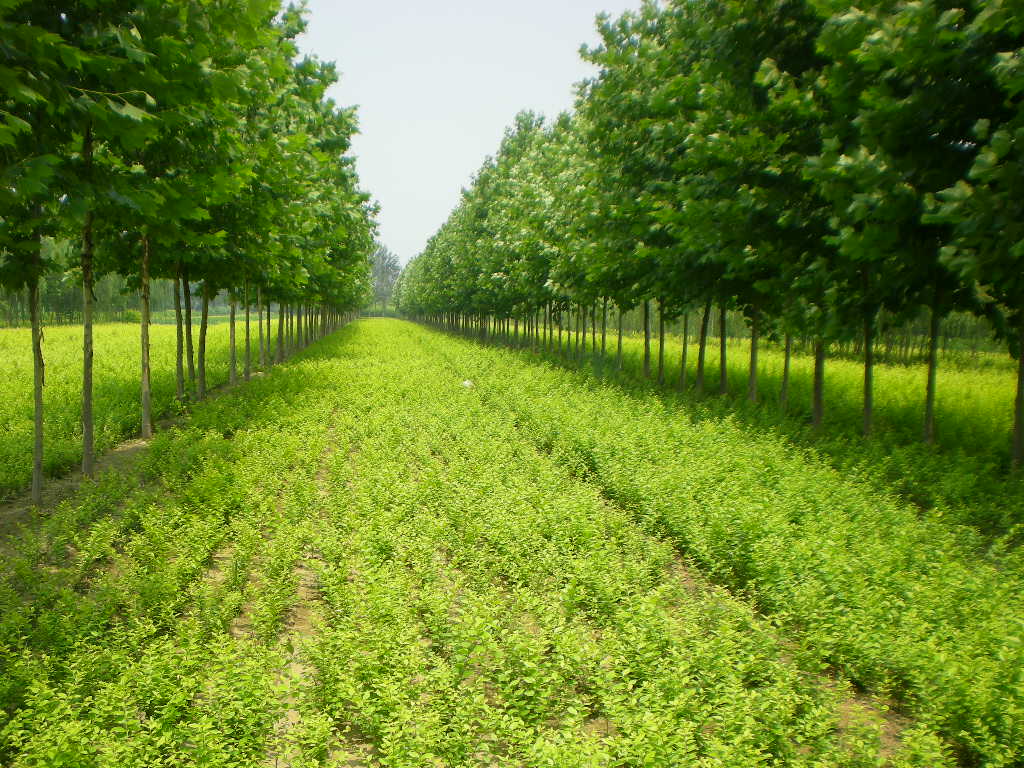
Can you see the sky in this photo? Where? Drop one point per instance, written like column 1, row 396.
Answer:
column 437, row 83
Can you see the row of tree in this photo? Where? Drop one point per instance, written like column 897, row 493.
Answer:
column 181, row 139
column 816, row 166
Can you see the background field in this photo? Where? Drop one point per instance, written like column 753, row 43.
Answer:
column 117, row 391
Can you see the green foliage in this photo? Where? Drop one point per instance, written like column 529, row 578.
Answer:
column 469, row 616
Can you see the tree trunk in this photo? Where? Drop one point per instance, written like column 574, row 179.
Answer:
column 604, row 328
column 869, row 375
column 38, row 380
column 147, row 394
column 583, row 326
column 179, row 346
column 752, row 380
column 248, row 334
column 201, row 360
column 682, row 356
column 702, row 349
column 299, row 335
column 1018, row 410
column 259, row 318
column 818, row 404
column 187, row 290
column 661, row 343
column 647, row 339
column 723, row 379
column 280, row 333
column 88, row 446
column 786, row 359
column 233, row 367
column 576, row 347
column 618, row 343
column 270, row 332
column 933, row 366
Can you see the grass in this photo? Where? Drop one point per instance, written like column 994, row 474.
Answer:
column 116, row 391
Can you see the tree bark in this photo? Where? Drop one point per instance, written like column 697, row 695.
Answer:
column 647, row 339
column 661, row 343
column 233, row 367
column 576, row 347
column 682, row 356
column 179, row 351
column 618, row 343
column 786, row 359
column 1018, row 409
column 248, row 334
column 702, row 348
column 201, row 360
column 818, row 404
column 147, row 393
column 88, row 445
column 280, row 333
column 752, row 380
column 869, row 375
column 604, row 328
column 38, row 381
column 723, row 379
column 259, row 318
column 187, row 291
column 933, row 366
column 270, row 329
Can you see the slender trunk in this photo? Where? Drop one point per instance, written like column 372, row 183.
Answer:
column 179, row 346
column 618, row 344
column 280, row 333
column 576, row 348
column 818, row 405
column 583, row 328
column 723, row 380
column 647, row 339
column 187, row 290
column 604, row 328
column 869, row 374
column 1018, row 409
column 259, row 322
column 786, row 359
column 682, row 356
column 702, row 348
column 88, row 445
column 233, row 367
column 201, row 359
column 298, row 327
column 248, row 334
column 933, row 365
column 593, row 329
column 661, row 343
column 270, row 332
column 38, row 380
column 754, row 334
column 147, row 407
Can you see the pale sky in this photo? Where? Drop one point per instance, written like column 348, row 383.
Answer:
column 438, row 82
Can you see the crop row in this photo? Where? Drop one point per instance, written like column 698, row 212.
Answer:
column 902, row 602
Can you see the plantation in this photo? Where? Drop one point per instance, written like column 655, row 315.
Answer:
column 349, row 581
column 117, row 392
column 693, row 436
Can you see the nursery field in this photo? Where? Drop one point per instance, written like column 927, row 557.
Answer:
column 401, row 548
column 964, row 477
column 116, row 393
